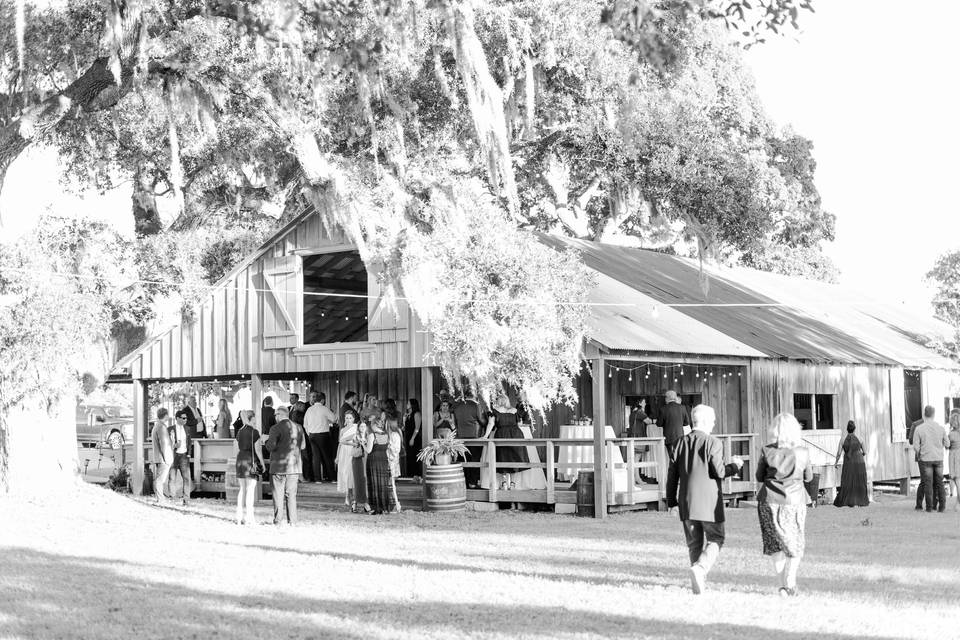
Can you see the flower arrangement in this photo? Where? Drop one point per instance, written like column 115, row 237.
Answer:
column 440, row 448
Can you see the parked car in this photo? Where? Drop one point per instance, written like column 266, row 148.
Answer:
column 104, row 425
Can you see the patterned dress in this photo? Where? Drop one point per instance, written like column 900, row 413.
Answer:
column 379, row 489
column 782, row 500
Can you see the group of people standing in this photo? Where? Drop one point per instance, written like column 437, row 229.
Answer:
column 930, row 441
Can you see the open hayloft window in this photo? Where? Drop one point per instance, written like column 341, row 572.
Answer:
column 814, row 410
column 334, row 298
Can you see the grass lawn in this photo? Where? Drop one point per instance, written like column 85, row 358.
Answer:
column 93, row 564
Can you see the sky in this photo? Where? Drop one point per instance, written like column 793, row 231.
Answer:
column 873, row 84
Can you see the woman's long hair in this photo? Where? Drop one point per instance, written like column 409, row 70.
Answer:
column 955, row 420
column 784, row 431
column 414, row 406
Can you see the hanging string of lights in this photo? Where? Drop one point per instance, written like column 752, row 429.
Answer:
column 674, row 371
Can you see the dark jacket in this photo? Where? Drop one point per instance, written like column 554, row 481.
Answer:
column 693, row 480
column 673, row 418
column 267, row 419
column 469, row 418
column 782, row 472
column 284, row 444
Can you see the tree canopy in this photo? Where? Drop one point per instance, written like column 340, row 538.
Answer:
column 413, row 124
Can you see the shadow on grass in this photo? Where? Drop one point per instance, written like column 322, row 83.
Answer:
column 54, row 596
column 645, row 575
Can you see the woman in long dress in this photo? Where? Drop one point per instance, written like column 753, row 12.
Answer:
column 853, row 477
column 345, row 451
column 782, row 500
column 412, row 438
column 502, row 423
column 955, row 454
column 223, row 420
column 249, row 455
column 379, row 487
column 394, row 446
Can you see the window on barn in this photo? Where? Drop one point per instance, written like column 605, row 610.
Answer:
column 334, row 298
column 814, row 410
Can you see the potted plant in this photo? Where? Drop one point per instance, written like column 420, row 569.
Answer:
column 443, row 450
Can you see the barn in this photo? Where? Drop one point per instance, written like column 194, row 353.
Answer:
column 304, row 312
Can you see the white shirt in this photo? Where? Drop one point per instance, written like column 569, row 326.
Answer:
column 318, row 419
column 180, row 438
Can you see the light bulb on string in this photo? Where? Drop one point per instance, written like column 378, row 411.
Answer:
column 630, row 379
column 681, row 371
column 610, row 373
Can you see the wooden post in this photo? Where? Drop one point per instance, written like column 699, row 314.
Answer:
column 256, row 399
column 140, row 412
column 551, row 475
column 631, row 469
column 426, row 404
column 599, row 420
column 426, row 413
column 492, row 466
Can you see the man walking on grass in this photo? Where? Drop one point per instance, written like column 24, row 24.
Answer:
column 162, row 454
column 929, row 441
column 693, row 485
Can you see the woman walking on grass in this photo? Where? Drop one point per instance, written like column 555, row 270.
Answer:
column 955, row 454
column 853, row 478
column 782, row 500
column 394, row 446
column 249, row 466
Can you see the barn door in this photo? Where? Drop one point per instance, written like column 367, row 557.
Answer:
column 281, row 301
column 386, row 322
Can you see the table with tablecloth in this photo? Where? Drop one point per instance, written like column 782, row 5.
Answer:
column 571, row 454
column 526, row 479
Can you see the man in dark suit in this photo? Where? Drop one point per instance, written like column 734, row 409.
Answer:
column 693, row 485
column 267, row 416
column 469, row 418
column 285, row 444
column 673, row 419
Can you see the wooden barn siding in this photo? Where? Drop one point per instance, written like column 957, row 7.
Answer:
column 224, row 340
column 863, row 394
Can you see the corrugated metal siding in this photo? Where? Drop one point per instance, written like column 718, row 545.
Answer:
column 224, row 340
column 863, row 394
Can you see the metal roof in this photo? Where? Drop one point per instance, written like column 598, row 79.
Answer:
column 795, row 328
column 633, row 327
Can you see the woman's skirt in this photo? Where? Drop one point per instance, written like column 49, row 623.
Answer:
column 782, row 528
column 510, row 454
column 344, row 468
column 853, row 485
column 245, row 466
column 379, row 487
column 358, row 467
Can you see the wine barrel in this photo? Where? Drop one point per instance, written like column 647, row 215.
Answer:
column 444, row 487
column 585, row 494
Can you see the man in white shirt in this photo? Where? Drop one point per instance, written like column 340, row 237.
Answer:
column 181, row 457
column 316, row 422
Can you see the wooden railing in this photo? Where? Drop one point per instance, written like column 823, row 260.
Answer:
column 743, row 445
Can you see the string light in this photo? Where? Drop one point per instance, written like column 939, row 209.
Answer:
column 630, row 379
column 610, row 373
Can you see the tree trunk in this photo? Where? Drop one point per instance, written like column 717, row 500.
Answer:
column 38, row 448
column 146, row 216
